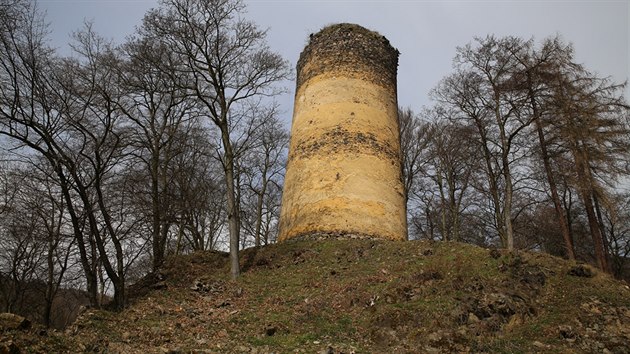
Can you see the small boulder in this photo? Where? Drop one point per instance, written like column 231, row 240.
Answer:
column 566, row 332
column 581, row 270
column 472, row 318
column 159, row 285
column 270, row 330
column 535, row 278
column 328, row 350
column 199, row 286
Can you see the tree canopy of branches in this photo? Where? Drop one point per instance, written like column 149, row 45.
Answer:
column 543, row 129
column 122, row 138
column 122, row 154
column 231, row 69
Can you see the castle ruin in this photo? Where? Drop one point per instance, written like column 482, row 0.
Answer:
column 343, row 176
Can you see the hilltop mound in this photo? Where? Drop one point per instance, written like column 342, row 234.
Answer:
column 359, row 296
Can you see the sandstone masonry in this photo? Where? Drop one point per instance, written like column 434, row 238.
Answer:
column 343, row 175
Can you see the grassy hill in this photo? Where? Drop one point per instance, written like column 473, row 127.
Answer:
column 359, row 296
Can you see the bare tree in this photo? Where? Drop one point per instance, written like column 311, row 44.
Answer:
column 534, row 79
column 99, row 136
column 40, row 194
column 617, row 224
column 7, row 192
column 413, row 141
column 452, row 157
column 440, row 157
column 591, row 122
column 482, row 89
column 34, row 252
column 63, row 111
column 231, row 68
column 162, row 115
column 199, row 193
column 30, row 115
column 264, row 172
column 22, row 252
column 538, row 117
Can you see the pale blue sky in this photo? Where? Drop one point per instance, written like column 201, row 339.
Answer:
column 425, row 32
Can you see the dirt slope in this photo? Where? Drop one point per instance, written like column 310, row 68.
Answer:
column 358, row 296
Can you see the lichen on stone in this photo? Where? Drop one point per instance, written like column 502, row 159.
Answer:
column 341, row 141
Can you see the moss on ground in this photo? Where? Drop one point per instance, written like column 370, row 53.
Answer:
column 362, row 296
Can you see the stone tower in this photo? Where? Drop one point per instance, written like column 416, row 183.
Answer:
column 343, row 175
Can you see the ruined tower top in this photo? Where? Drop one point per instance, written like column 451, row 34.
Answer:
column 351, row 50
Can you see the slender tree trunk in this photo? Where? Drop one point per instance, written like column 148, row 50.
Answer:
column 443, row 229
column 99, row 242
column 602, row 230
column 102, row 283
column 507, row 208
column 544, row 154
column 598, row 243
column 567, row 206
column 507, row 176
column 555, row 198
column 232, row 207
column 259, row 207
column 180, row 232
column 430, row 226
column 586, row 193
column 492, row 183
column 53, row 230
column 453, row 208
column 260, row 200
column 458, row 204
column 50, row 282
column 113, row 275
column 117, row 276
column 88, row 269
column 56, row 284
column 158, row 245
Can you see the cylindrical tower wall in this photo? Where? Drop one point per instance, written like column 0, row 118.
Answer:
column 343, row 174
